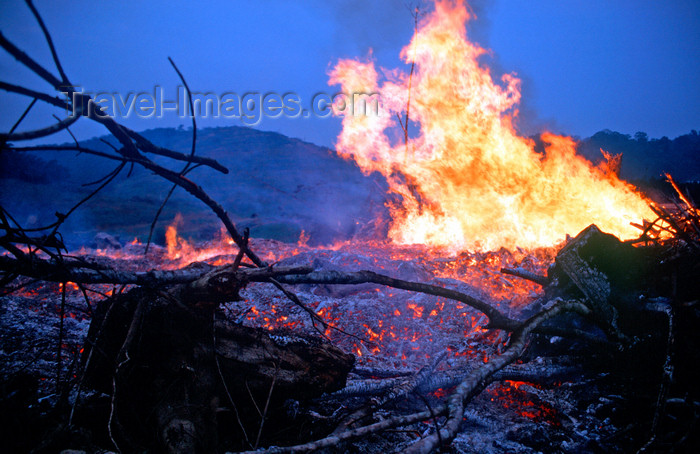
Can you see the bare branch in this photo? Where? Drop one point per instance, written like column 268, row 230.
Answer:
column 475, row 379
column 130, row 151
column 199, row 193
column 77, row 148
column 147, row 147
column 187, row 164
column 24, row 114
column 497, row 320
column 78, row 271
column 334, row 440
column 29, row 62
column 42, row 132
column 49, row 41
column 194, row 120
column 53, row 100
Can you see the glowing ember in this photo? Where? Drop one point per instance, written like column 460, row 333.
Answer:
column 391, row 325
column 466, row 179
column 523, row 403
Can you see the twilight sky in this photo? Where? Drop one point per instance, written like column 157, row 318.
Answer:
column 625, row 65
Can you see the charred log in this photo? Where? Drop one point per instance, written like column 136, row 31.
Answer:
column 635, row 289
column 173, row 368
column 615, row 278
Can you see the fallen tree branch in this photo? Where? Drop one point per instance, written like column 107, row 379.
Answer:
column 479, row 377
column 531, row 373
column 457, row 400
column 497, row 320
column 334, row 440
column 78, row 272
column 399, row 388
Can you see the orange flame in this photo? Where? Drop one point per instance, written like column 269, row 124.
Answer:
column 183, row 252
column 467, row 180
column 303, row 239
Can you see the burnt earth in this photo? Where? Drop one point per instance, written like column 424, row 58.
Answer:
column 566, row 395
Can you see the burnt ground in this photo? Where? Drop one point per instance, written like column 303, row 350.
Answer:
column 563, row 396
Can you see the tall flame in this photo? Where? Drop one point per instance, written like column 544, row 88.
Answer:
column 467, row 180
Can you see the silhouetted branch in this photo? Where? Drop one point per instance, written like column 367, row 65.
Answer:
column 21, row 117
column 42, row 132
column 72, row 270
column 147, row 147
column 187, row 165
column 29, row 62
column 53, row 100
column 194, row 120
column 49, row 41
column 130, row 141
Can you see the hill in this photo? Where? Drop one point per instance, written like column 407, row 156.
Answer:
column 277, row 186
column 644, row 158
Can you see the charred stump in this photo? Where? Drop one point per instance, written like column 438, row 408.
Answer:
column 177, row 373
column 637, row 294
column 609, row 274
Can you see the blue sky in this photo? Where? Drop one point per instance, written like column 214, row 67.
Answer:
column 586, row 65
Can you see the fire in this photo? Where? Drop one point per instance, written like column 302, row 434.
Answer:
column 303, row 239
column 69, row 286
column 182, row 252
column 466, row 179
column 177, row 247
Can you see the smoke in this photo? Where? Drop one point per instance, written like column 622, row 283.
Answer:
column 480, row 30
column 384, row 27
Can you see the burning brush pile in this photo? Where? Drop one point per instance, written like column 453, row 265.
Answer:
column 401, row 328
column 475, row 324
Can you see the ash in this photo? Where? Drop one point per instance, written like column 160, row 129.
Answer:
column 556, row 399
